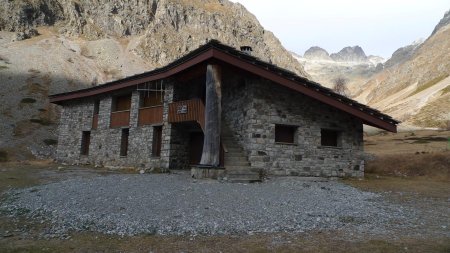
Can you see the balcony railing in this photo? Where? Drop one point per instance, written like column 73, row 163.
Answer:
column 120, row 118
column 94, row 121
column 150, row 115
column 188, row 110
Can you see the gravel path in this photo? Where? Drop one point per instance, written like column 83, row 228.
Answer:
column 128, row 204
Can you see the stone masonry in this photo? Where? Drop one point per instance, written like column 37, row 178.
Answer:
column 252, row 107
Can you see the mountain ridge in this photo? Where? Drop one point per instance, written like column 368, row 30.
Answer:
column 48, row 47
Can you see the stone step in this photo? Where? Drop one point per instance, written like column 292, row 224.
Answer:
column 230, row 160
column 237, row 163
column 236, row 169
column 234, row 149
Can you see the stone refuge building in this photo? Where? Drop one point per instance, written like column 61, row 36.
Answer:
column 258, row 120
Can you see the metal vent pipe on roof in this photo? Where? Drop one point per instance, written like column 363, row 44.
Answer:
column 247, row 50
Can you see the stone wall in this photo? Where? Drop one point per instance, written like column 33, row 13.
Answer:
column 252, row 109
column 104, row 149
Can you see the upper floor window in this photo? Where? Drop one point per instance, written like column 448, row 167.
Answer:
column 152, row 98
column 122, row 103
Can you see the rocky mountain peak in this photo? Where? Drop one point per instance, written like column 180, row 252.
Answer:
column 443, row 22
column 317, row 53
column 403, row 54
column 350, row 54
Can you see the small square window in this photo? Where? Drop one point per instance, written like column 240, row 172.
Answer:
column 330, row 138
column 285, row 134
column 96, row 107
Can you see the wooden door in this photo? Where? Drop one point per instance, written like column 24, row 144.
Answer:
column 195, row 147
column 157, row 141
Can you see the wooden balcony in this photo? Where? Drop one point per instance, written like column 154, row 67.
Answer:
column 150, row 115
column 120, row 119
column 94, row 121
column 188, row 110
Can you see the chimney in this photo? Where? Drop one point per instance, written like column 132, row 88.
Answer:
column 246, row 50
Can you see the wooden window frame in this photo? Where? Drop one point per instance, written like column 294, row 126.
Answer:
column 115, row 103
column 143, row 95
column 285, row 134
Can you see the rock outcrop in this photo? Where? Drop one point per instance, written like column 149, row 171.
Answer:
column 317, row 53
column 443, row 22
column 350, row 64
column 402, row 54
column 350, row 54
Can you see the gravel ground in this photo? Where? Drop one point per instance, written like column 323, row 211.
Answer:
column 129, row 204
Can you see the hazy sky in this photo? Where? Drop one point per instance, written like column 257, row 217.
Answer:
column 379, row 27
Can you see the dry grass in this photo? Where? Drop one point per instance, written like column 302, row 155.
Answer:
column 427, row 141
column 327, row 241
column 429, row 84
column 431, row 165
column 446, row 90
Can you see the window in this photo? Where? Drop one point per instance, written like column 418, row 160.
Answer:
column 122, row 103
column 124, row 142
column 157, row 141
column 285, row 134
column 85, row 142
column 96, row 107
column 149, row 99
column 95, row 116
column 330, row 138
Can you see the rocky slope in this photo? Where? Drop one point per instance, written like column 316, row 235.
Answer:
column 350, row 63
column 402, row 54
column 416, row 89
column 61, row 45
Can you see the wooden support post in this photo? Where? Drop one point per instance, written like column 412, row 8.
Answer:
column 213, row 111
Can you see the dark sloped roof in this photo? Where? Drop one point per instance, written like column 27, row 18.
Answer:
column 216, row 50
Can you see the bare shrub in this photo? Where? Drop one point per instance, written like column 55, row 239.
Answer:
column 340, row 86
